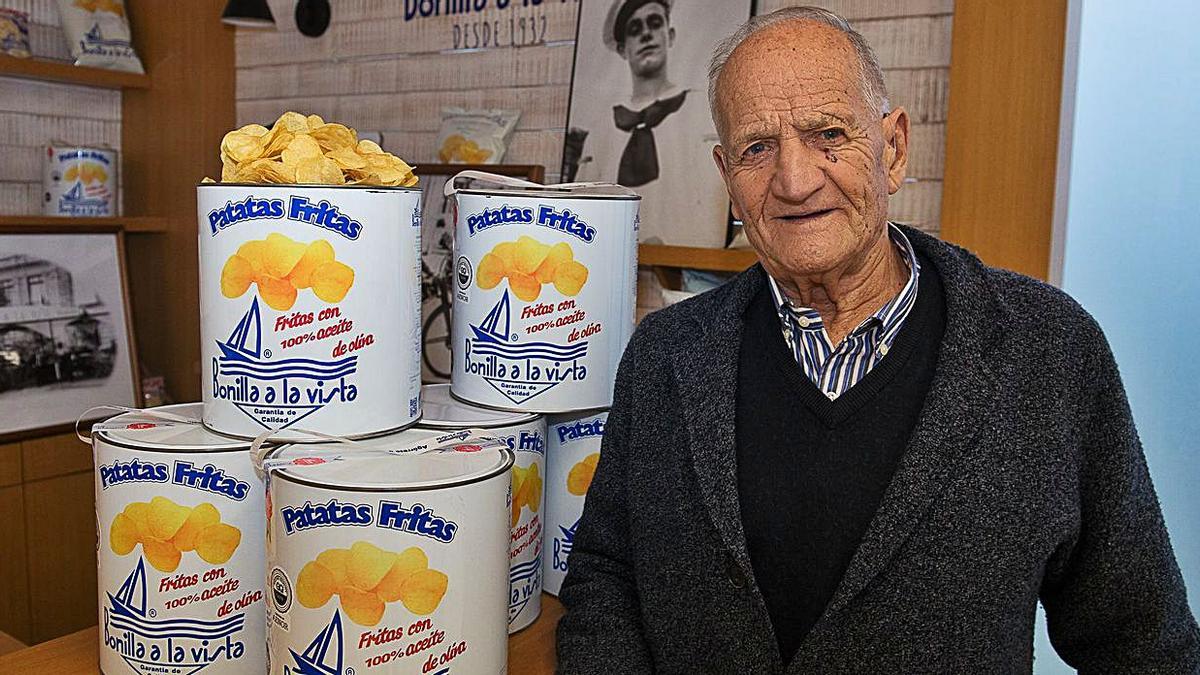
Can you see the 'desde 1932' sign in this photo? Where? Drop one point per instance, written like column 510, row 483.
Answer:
column 478, row 31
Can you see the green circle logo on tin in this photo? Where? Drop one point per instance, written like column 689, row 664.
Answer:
column 281, row 590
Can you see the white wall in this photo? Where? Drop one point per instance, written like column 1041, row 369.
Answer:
column 1131, row 250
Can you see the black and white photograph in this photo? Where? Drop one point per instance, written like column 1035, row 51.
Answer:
column 64, row 335
column 639, row 111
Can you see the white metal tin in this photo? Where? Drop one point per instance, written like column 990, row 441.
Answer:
column 542, row 347
column 347, row 366
column 572, row 449
column 159, row 614
column 373, row 499
column 525, row 434
column 79, row 182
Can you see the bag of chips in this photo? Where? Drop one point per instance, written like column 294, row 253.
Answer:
column 475, row 136
column 98, row 33
column 14, row 33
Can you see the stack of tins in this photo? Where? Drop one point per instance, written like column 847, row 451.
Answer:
column 543, row 307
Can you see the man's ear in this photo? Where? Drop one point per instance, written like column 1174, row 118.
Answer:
column 719, row 158
column 671, row 37
column 895, row 150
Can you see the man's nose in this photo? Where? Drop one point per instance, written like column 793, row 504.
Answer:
column 798, row 172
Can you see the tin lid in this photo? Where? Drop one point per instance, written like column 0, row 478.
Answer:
column 440, row 410
column 496, row 185
column 145, row 430
column 393, row 463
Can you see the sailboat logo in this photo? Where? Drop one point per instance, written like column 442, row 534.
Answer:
column 138, row 637
column 522, row 579
column 323, row 656
column 77, row 202
column 242, row 358
column 563, row 546
column 493, row 344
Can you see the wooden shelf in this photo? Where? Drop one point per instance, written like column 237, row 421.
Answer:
column 10, row 224
column 54, row 71
column 711, row 259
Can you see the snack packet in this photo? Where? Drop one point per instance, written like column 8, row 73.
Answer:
column 98, row 33
column 14, row 33
column 475, row 136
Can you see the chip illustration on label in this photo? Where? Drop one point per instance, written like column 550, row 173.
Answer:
column 367, row 578
column 166, row 530
column 281, row 267
column 572, row 455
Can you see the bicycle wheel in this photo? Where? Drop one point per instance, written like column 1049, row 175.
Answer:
column 435, row 342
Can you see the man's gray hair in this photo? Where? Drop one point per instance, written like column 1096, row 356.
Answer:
column 871, row 75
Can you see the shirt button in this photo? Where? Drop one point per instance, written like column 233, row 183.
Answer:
column 883, row 350
column 735, row 574
column 831, row 394
column 804, row 321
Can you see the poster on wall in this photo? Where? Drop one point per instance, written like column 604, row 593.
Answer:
column 64, row 332
column 639, row 111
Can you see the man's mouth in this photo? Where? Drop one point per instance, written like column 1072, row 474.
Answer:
column 648, row 49
column 805, row 217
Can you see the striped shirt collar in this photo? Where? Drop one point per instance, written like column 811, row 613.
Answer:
column 836, row 368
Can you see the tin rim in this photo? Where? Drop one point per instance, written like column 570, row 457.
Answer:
column 309, row 439
column 582, row 412
column 507, row 459
column 521, row 416
column 550, row 194
column 236, row 444
column 293, row 186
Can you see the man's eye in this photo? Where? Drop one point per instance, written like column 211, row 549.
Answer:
column 755, row 149
column 655, row 21
column 832, row 135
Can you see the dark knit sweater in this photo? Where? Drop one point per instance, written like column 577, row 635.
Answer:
column 1023, row 480
column 811, row 472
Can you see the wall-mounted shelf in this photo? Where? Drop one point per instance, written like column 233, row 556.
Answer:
column 11, row 224
column 712, row 259
column 54, row 71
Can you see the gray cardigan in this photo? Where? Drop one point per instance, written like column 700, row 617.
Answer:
column 1024, row 479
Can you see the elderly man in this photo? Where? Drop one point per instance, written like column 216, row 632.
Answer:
column 871, row 453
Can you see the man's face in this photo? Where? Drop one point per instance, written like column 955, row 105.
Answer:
column 807, row 162
column 647, row 38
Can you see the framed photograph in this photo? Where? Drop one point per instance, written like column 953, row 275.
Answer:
column 639, row 112
column 437, row 257
column 66, row 342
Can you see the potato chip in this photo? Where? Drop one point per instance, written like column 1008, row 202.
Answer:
column 122, row 534
column 315, row 585
column 279, row 294
column 216, row 543
column 335, row 560
column 524, row 286
column 407, row 562
column 253, row 252
column 368, row 147
column 201, row 517
column 165, row 517
column 162, row 555
column 139, row 513
column 281, row 254
column 255, row 130
column 266, row 171
column 321, row 171
column 557, row 255
column 317, row 252
column 241, row 147
column 423, row 591
column 529, row 255
column 292, row 121
column 229, row 170
column 275, row 142
column 335, row 137
column 314, row 121
column 332, row 280
column 303, row 147
column 507, row 252
column 236, row 276
column 368, row 564
column 347, row 158
column 580, row 478
column 491, row 271
column 362, row 607
column 570, row 277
